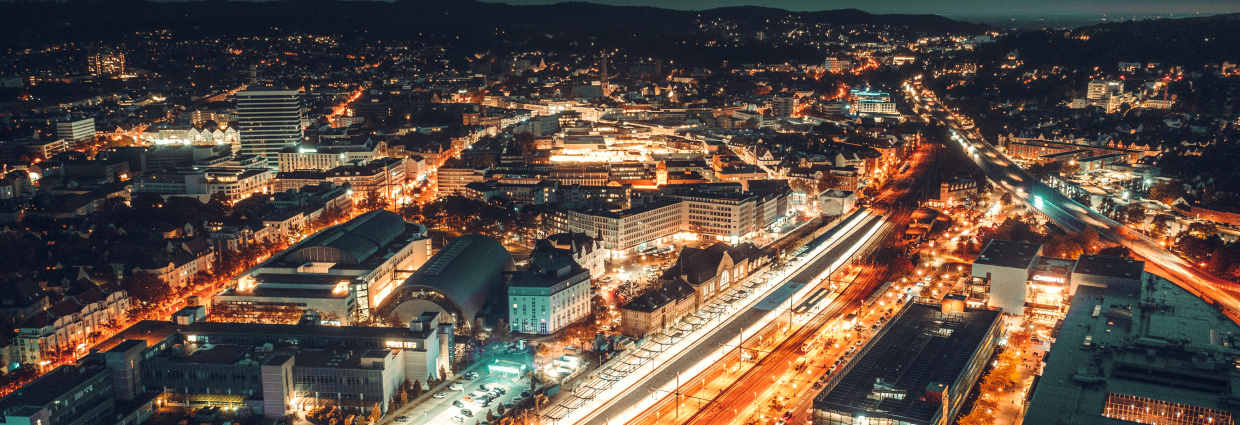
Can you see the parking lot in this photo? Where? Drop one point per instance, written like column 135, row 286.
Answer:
column 470, row 396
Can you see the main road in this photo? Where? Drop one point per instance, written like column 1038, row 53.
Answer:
column 1072, row 215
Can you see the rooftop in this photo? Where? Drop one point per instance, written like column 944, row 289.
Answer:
column 921, row 349
column 50, row 386
column 468, row 270
column 660, row 297
column 1149, row 344
column 1010, row 254
column 1107, row 266
column 353, row 242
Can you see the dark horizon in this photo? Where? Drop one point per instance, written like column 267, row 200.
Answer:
column 1004, row 13
column 953, row 9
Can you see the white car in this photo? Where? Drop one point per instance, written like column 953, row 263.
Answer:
column 402, row 419
column 456, row 387
column 440, row 395
column 458, row 419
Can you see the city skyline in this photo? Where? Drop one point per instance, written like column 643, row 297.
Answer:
column 457, row 212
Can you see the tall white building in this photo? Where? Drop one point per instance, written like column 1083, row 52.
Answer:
column 76, row 130
column 1007, row 266
column 783, row 106
column 1103, row 89
column 270, row 120
column 836, row 65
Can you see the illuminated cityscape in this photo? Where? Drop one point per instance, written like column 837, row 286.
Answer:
column 707, row 212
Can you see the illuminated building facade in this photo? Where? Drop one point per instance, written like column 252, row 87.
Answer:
column 553, row 293
column 76, row 131
column 106, row 64
column 270, row 120
column 273, row 370
column 1016, row 278
column 235, row 183
column 341, row 272
column 322, row 158
column 730, row 217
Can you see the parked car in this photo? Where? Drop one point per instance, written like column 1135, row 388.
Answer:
column 440, row 395
column 456, row 387
column 402, row 419
column 457, row 403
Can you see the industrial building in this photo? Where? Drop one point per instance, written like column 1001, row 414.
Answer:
column 916, row 370
column 1139, row 351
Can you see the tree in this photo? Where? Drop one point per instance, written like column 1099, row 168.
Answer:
column 145, row 287
column 1088, row 239
column 375, row 414
column 1201, row 230
column 1114, row 251
column 1160, row 225
column 1006, row 199
column 901, row 266
column 374, row 200
column 1133, row 214
column 202, row 278
column 502, row 331
column 827, row 182
column 1168, row 191
column 416, row 388
column 868, row 192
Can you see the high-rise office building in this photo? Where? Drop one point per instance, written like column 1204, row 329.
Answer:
column 106, row 63
column 270, row 120
column 74, row 131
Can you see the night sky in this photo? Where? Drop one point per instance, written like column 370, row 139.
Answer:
column 990, row 9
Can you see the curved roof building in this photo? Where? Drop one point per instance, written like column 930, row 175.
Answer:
column 352, row 242
column 342, row 272
column 459, row 280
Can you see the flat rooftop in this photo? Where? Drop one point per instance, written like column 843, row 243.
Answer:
column 1066, row 153
column 1107, row 266
column 1010, row 254
column 47, row 388
column 1149, row 339
column 919, row 350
